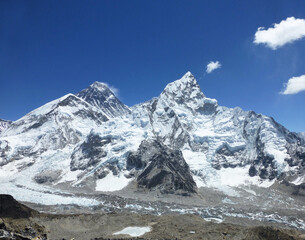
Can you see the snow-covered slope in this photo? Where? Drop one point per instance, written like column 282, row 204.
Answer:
column 88, row 140
column 99, row 95
column 4, row 124
column 51, row 128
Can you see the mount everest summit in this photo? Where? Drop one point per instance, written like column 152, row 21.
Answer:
column 175, row 143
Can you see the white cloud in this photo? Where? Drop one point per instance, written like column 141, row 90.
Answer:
column 287, row 31
column 114, row 90
column 294, row 85
column 100, row 85
column 213, row 66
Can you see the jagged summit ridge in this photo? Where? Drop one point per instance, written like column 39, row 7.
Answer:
column 100, row 85
column 99, row 95
column 185, row 93
column 186, row 87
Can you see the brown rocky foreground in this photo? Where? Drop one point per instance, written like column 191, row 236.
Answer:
column 17, row 221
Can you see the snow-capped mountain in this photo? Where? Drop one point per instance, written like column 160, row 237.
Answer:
column 99, row 95
column 49, row 129
column 175, row 143
column 4, row 124
column 215, row 140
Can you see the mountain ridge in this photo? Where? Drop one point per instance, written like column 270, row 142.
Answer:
column 77, row 141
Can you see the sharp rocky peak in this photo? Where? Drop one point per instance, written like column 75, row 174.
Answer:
column 187, row 85
column 100, row 95
column 185, row 90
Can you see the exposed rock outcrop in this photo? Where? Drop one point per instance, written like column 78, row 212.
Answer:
column 166, row 169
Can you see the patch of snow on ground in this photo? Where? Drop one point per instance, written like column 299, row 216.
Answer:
column 112, row 183
column 211, row 219
column 134, row 231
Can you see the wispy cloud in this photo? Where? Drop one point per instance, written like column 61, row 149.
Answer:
column 287, row 31
column 294, row 85
column 213, row 66
column 101, row 85
column 113, row 89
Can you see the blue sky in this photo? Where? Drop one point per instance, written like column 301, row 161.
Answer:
column 51, row 48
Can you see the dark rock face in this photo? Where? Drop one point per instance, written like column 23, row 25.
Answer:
column 99, row 95
column 135, row 161
column 167, row 170
column 9, row 207
column 297, row 155
column 16, row 221
column 270, row 233
column 143, row 155
column 106, row 168
column 264, row 165
column 225, row 156
column 89, row 152
column 299, row 190
column 47, row 176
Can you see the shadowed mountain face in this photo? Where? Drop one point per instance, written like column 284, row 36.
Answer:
column 99, row 95
column 166, row 169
